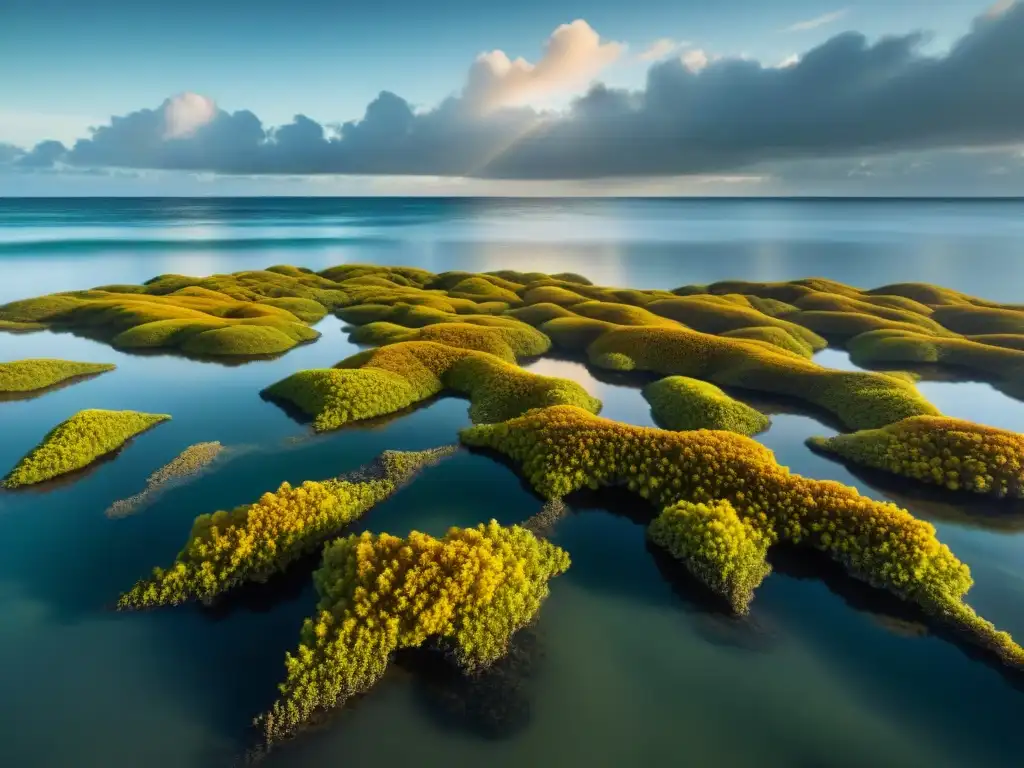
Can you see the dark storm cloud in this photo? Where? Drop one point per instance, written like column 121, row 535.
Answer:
column 845, row 97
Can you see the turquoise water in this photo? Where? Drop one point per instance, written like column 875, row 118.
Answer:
column 629, row 663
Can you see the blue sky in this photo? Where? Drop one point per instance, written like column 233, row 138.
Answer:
column 65, row 66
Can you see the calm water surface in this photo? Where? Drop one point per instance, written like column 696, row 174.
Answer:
column 630, row 663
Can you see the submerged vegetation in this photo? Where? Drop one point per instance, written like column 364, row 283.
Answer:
column 562, row 449
column 78, row 442
column 255, row 541
column 192, row 461
column 22, row 376
column 468, row 592
column 947, row 452
column 678, row 402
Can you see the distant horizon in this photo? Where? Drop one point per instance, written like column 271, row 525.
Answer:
column 548, row 198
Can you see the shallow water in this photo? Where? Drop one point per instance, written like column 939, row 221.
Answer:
column 630, row 663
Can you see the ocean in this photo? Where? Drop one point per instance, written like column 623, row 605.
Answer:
column 629, row 663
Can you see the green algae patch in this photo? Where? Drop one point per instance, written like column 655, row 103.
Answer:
column 78, row 442
column 508, row 342
column 468, row 592
column 840, row 326
column 12, row 326
column 243, row 314
column 868, row 305
column 193, row 461
column 973, row 320
column 893, row 346
column 679, row 403
column 861, row 400
column 703, row 313
column 776, row 337
column 256, row 541
column 23, row 376
column 552, row 294
column 576, row 333
column 717, row 546
column 384, row 380
column 563, row 449
column 537, row 314
column 955, row 454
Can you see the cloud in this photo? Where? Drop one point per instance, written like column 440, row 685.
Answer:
column 574, row 54
column 661, row 48
column 696, row 115
column 695, row 60
column 818, row 21
column 185, row 113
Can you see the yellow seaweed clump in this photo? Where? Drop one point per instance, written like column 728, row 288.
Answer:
column 384, row 380
column 30, row 375
column 679, row 403
column 959, row 455
column 508, row 341
column 77, row 442
column 862, row 400
column 712, row 314
column 255, row 541
column 173, row 313
column 469, row 592
column 563, row 449
column 717, row 546
column 895, row 346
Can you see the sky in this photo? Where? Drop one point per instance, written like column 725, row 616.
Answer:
column 540, row 97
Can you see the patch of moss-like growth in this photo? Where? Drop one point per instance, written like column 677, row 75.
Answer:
column 480, row 289
column 679, row 403
column 717, row 546
column 538, row 314
column 703, row 314
column 384, row 380
column 974, row 320
column 508, row 342
column 1005, row 340
column 307, row 310
column 190, row 462
column 840, row 326
column 469, row 592
column 78, row 442
column 925, row 293
column 563, row 449
column 255, row 541
column 869, row 305
column 860, row 399
column 11, row 326
column 23, row 376
column 956, row 454
column 893, row 346
column 576, row 333
column 776, row 337
column 190, row 318
column 620, row 314
column 552, row 294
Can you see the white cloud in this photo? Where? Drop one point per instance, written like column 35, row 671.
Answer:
column 695, row 60
column 185, row 113
column 574, row 55
column 661, row 48
column 818, row 21
column 790, row 61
